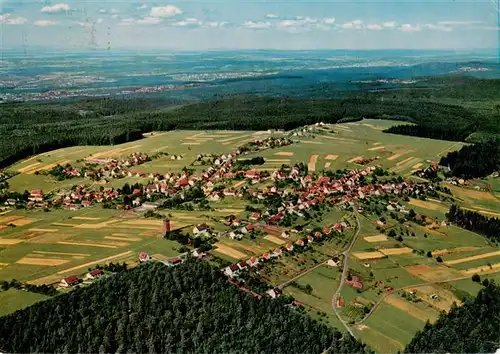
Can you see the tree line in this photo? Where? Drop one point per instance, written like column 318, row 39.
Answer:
column 473, row 327
column 154, row 308
column 476, row 222
column 478, row 160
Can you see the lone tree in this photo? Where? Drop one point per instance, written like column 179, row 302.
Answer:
column 476, row 278
column 429, row 254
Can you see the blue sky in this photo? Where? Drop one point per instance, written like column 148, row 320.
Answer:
column 236, row 24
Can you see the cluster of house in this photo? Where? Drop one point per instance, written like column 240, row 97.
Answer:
column 73, row 280
column 234, row 269
column 97, row 168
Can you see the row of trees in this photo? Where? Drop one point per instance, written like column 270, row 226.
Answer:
column 153, row 308
column 473, row 221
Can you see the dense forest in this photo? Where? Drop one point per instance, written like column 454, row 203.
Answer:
column 471, row 328
column 478, row 160
column 30, row 128
column 473, row 221
column 157, row 309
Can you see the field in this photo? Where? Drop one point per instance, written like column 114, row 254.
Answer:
column 13, row 300
column 43, row 247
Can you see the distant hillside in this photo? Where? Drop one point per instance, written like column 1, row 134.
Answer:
column 186, row 309
column 471, row 328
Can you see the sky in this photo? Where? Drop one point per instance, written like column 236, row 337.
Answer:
column 235, row 24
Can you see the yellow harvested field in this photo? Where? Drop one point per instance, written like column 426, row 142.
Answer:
column 86, row 244
column 190, row 143
column 368, row 255
column 331, row 157
column 29, row 167
column 47, row 167
column 63, row 253
column 396, row 251
column 409, row 308
column 417, row 166
column 63, row 224
column 229, row 251
column 229, row 210
column 114, row 152
column 85, row 218
column 433, row 274
column 328, row 164
column 274, row 239
column 283, row 153
column 340, row 140
column 444, row 252
column 486, row 269
column 377, row 238
column 395, row 156
column 43, row 230
column 311, row 165
column 354, row 159
column 42, row 261
column 8, row 219
column 51, row 279
column 89, row 264
column 120, row 234
column 9, row 241
column 23, row 221
column 377, row 143
column 471, row 193
column 240, row 183
column 473, row 258
column 376, row 148
column 3, row 265
column 47, row 238
column 402, row 162
column 117, row 238
column 428, row 205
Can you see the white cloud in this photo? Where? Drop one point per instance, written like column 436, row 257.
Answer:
column 55, row 8
column 189, row 22
column 85, row 24
column 45, row 23
column 7, row 19
column 272, row 16
column 127, row 22
column 215, row 24
column 103, row 11
column 100, row 20
column 256, row 25
column 148, row 20
column 165, row 11
column 389, row 24
column 437, row 27
column 329, row 21
column 356, row 24
column 142, row 7
column 459, row 23
column 374, row 27
column 409, row 28
column 115, row 16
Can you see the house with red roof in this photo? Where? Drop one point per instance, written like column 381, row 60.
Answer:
column 231, row 270
column 242, row 265
column 277, row 252
column 70, row 281
column 266, row 256
column 300, row 243
column 253, row 261
column 289, row 247
column 310, row 239
column 255, row 216
column 327, row 230
column 96, row 273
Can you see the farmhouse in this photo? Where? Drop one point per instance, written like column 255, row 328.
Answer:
column 70, row 281
column 231, row 270
column 144, row 257
column 96, row 273
column 289, row 247
column 200, row 229
column 252, row 262
column 277, row 252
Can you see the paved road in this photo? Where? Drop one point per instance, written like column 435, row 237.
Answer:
column 343, row 277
